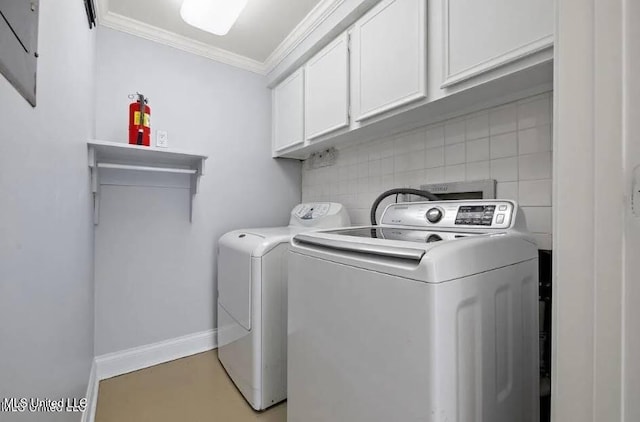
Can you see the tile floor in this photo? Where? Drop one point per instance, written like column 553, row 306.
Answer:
column 193, row 389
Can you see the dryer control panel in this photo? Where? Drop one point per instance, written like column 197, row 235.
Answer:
column 319, row 215
column 480, row 214
column 311, row 211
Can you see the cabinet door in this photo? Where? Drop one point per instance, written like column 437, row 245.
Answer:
column 327, row 89
column 482, row 35
column 288, row 112
column 389, row 57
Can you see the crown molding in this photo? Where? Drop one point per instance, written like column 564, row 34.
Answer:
column 153, row 33
column 321, row 12
column 310, row 23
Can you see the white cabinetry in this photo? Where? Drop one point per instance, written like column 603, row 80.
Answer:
column 482, row 35
column 326, row 97
column 389, row 57
column 288, row 113
column 400, row 66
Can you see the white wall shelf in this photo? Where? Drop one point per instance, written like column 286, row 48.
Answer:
column 122, row 156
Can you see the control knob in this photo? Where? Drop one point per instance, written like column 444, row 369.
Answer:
column 434, row 215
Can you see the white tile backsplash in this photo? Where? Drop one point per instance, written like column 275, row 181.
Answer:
column 510, row 143
column 375, row 168
column 454, row 131
column 508, row 190
column 435, row 136
column 535, row 166
column 387, row 148
column 343, row 173
column 401, row 162
column 535, row 111
column 534, row 193
column 434, row 157
column 363, row 169
column 375, row 151
column 478, row 170
column 505, row 169
column 534, row 139
column 477, row 125
column 478, row 150
column 435, row 175
column 361, row 154
column 410, row 142
column 386, row 166
column 387, row 182
column 503, row 119
column 454, row 154
column 416, row 161
column 352, row 171
column 504, row 145
column 455, row 173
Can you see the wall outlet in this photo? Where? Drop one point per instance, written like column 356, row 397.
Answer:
column 324, row 158
column 162, row 139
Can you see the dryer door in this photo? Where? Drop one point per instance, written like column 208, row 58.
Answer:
column 234, row 275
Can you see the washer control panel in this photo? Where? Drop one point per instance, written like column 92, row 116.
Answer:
column 475, row 215
column 480, row 214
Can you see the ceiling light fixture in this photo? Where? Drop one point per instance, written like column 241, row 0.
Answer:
column 215, row 16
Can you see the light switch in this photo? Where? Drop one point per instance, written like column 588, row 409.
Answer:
column 162, row 139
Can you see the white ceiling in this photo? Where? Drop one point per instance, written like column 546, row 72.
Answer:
column 261, row 27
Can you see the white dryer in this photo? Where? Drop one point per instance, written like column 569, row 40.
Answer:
column 252, row 301
column 430, row 316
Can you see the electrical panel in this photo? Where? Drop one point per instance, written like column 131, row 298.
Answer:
column 18, row 45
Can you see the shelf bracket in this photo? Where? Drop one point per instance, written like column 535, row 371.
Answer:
column 95, row 184
column 96, row 206
column 195, row 182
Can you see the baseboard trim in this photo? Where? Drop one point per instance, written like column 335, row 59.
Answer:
column 119, row 363
column 125, row 361
column 91, row 396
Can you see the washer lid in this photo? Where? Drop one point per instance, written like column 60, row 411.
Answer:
column 407, row 243
column 422, row 255
column 403, row 234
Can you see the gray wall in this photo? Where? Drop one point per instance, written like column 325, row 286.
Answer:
column 155, row 271
column 46, row 235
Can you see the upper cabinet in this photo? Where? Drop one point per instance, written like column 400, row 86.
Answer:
column 288, row 113
column 389, row 57
column 326, row 100
column 482, row 35
column 407, row 63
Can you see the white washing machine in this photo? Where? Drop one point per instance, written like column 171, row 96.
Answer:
column 252, row 301
column 430, row 316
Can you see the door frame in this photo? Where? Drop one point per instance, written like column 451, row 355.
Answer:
column 596, row 56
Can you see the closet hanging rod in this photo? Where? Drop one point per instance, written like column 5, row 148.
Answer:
column 146, row 168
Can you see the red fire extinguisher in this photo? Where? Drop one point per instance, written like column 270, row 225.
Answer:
column 139, row 120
